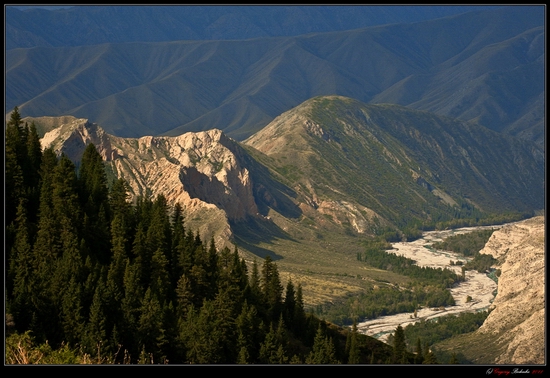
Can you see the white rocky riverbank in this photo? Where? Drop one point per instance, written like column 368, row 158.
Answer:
column 477, row 285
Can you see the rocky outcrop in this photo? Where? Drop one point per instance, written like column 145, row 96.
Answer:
column 202, row 171
column 518, row 316
column 71, row 135
column 192, row 168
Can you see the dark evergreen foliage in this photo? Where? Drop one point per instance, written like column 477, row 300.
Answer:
column 90, row 271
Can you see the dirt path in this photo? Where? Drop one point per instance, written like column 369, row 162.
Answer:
column 477, row 285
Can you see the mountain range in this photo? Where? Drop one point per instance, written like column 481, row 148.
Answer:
column 332, row 165
column 305, row 147
column 33, row 26
column 485, row 67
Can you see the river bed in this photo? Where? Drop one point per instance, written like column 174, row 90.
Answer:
column 477, row 285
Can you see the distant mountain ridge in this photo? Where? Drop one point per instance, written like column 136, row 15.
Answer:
column 486, row 67
column 332, row 161
column 90, row 25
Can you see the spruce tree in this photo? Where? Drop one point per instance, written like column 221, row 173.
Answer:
column 354, row 355
column 95, row 337
column 151, row 331
column 269, row 348
column 323, row 351
column 299, row 318
column 72, row 318
column 419, row 357
column 271, row 289
column 21, row 275
column 289, row 303
column 399, row 346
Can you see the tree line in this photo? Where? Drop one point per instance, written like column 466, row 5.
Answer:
column 91, row 276
column 469, row 245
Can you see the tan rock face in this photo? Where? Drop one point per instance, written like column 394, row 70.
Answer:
column 201, row 171
column 200, row 166
column 519, row 307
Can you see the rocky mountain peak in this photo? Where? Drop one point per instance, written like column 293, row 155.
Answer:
column 202, row 171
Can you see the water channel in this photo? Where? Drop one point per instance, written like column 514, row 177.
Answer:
column 478, row 286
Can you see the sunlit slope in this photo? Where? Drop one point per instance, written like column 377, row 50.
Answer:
column 403, row 164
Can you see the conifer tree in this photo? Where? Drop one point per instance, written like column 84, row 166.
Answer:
column 186, row 253
column 212, row 269
column 72, row 318
column 323, row 351
column 419, row 357
column 244, row 356
column 151, row 331
column 130, row 307
column 114, row 290
column 15, row 155
column 178, row 239
column 354, row 355
column 399, row 346
column 160, row 278
column 143, row 255
column 299, row 318
column 96, row 329
column 253, row 291
column 246, row 329
column 429, row 357
column 270, row 352
column 32, row 173
column 204, row 335
column 290, row 302
column 271, row 289
column 185, row 296
column 65, row 193
column 21, row 275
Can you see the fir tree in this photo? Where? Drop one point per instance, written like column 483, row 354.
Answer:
column 96, row 329
column 323, row 351
column 289, row 303
column 151, row 331
column 271, row 289
column 72, row 317
column 21, row 275
column 419, row 357
column 270, row 352
column 299, row 318
column 399, row 346
column 354, row 355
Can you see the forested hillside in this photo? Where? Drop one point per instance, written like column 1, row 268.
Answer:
column 96, row 278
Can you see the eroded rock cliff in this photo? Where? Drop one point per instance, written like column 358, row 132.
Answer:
column 202, row 171
column 518, row 316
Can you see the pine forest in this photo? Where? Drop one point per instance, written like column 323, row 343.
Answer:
column 93, row 278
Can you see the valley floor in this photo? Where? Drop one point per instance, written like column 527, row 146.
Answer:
column 478, row 286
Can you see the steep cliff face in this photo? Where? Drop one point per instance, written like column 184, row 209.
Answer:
column 518, row 317
column 191, row 168
column 202, row 171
